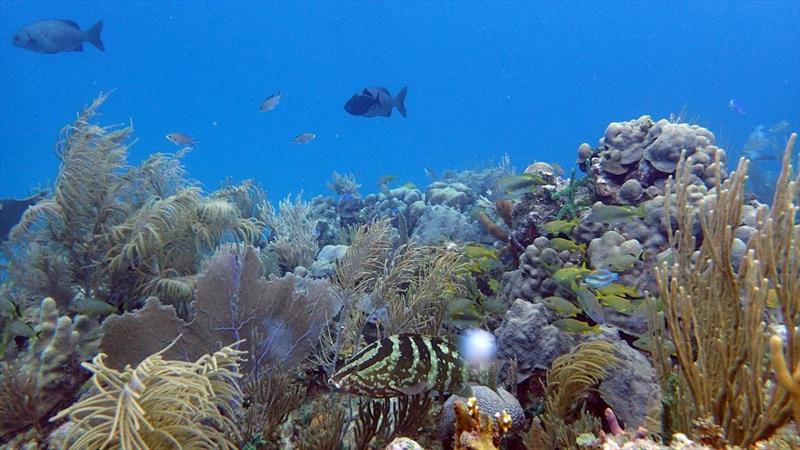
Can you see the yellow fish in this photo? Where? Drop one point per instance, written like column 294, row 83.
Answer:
column 562, row 244
column 576, row 326
column 559, row 226
column 620, row 290
column 561, row 306
column 617, row 303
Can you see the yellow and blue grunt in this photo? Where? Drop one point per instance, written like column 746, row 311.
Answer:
column 613, row 214
column 576, row 326
column 561, row 306
column 403, row 364
column 559, row 226
column 561, row 244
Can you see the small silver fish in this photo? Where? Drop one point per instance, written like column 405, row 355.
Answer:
column 270, row 102
column 181, row 139
column 304, row 138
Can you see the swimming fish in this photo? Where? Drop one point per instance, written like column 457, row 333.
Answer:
column 613, row 214
column 480, row 252
column 270, row 102
column 568, row 275
column 54, row 36
column 619, row 289
column 376, row 101
column 181, row 139
column 576, row 326
column 589, row 304
column 561, row 306
column 303, row 138
column 403, row 364
column 559, row 226
column 621, row 262
column 599, row 278
column 736, row 106
column 515, row 186
column 619, row 304
column 11, row 211
column 562, row 244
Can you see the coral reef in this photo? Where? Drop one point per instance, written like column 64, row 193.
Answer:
column 651, row 298
column 714, row 311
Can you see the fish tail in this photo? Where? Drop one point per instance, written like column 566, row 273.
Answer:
column 400, row 101
column 93, row 35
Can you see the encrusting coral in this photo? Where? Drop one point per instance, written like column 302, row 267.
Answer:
column 159, row 404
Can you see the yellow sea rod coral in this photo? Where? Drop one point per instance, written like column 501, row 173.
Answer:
column 158, row 404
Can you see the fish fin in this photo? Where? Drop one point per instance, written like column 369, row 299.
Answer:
column 400, row 101
column 93, row 35
column 71, row 23
column 78, row 48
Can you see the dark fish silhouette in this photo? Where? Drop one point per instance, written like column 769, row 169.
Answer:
column 376, row 101
column 11, row 211
column 54, row 36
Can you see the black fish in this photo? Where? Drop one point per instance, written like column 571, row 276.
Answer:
column 376, row 101
column 11, row 211
column 54, row 36
column 403, row 364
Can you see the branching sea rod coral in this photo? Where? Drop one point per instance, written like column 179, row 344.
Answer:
column 715, row 311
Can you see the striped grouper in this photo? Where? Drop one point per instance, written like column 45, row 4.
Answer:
column 403, row 364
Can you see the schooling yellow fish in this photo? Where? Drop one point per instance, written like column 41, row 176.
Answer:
column 576, row 326
column 559, row 226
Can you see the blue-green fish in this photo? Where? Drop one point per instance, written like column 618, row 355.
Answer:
column 598, row 279
column 403, row 364
column 589, row 304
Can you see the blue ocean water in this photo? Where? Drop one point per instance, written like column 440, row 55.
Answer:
column 531, row 79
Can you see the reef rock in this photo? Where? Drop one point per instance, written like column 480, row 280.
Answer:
column 526, row 336
column 631, row 387
column 456, row 195
column 440, row 223
column 325, row 264
column 489, row 403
